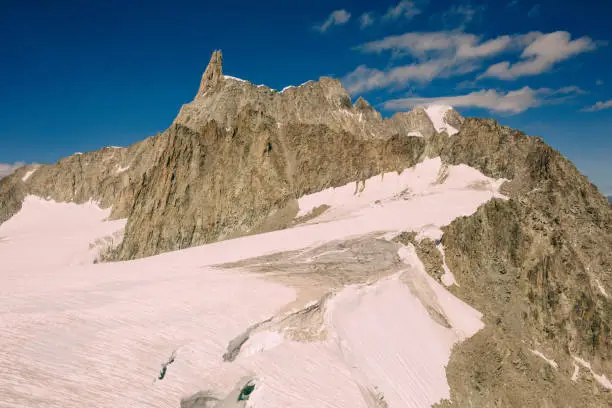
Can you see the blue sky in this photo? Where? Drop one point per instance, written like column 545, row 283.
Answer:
column 77, row 75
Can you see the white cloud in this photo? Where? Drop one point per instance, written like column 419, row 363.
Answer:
column 337, row 17
column 438, row 54
column 365, row 79
column 444, row 54
column 541, row 55
column 512, row 3
column 7, row 168
column 461, row 15
column 571, row 90
column 601, row 105
column 599, row 82
column 473, row 49
column 417, row 44
column 449, row 43
column 534, row 11
column 405, row 8
column 512, row 102
column 467, row 84
column 366, row 20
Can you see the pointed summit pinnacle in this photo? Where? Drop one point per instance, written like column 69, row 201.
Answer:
column 213, row 73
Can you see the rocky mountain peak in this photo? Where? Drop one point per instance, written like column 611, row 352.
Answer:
column 323, row 102
column 213, row 73
column 362, row 104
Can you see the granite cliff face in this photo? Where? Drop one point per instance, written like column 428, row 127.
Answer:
column 538, row 266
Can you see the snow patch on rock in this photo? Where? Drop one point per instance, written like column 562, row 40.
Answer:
column 436, row 115
column 28, row 175
column 542, row 356
column 294, row 86
column 432, row 232
column 448, row 279
column 234, row 78
column 601, row 288
column 576, row 372
column 600, row 378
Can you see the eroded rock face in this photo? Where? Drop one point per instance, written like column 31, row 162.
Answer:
column 217, row 183
column 12, row 193
column 533, row 265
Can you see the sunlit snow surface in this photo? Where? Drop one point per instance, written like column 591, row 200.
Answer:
column 235, row 79
column 80, row 334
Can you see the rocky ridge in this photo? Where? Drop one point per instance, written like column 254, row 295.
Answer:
column 536, row 266
column 324, row 102
column 176, row 188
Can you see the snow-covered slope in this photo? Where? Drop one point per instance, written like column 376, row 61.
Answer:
column 79, row 334
column 437, row 114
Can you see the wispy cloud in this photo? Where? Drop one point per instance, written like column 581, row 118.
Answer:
column 337, row 17
column 541, row 55
column 512, row 3
column 511, row 102
column 427, row 44
column 366, row 20
column 364, row 79
column 534, row 11
column 405, row 8
column 444, row 54
column 599, row 82
column 459, row 16
column 601, row 105
column 438, row 54
column 7, row 168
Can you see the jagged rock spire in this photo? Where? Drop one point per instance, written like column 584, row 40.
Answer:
column 362, row 104
column 366, row 109
column 213, row 73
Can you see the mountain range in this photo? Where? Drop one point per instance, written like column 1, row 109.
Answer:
column 497, row 238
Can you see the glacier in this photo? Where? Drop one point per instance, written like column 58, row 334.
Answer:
column 77, row 333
